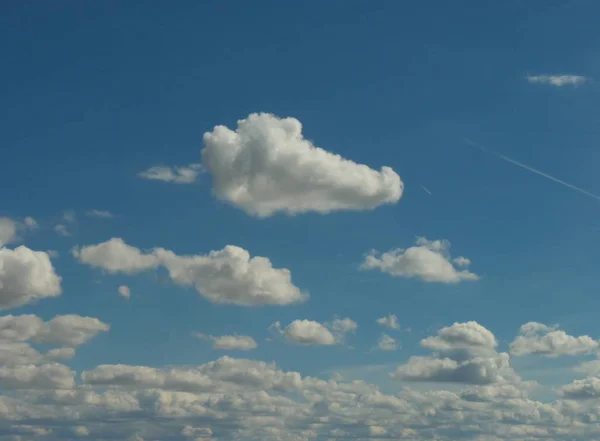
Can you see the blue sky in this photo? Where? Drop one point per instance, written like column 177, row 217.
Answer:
column 96, row 94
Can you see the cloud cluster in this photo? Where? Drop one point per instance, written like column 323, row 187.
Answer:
column 266, row 166
column 462, row 353
column 227, row 276
column 429, row 261
column 537, row 338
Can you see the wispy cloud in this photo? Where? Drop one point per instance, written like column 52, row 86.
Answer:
column 176, row 174
column 531, row 169
column 425, row 188
column 102, row 214
column 557, row 80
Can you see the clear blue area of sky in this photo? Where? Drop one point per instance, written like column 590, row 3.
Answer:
column 94, row 92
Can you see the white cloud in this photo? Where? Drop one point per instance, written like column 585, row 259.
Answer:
column 62, row 230
column 231, row 342
column 305, row 332
column 386, row 343
column 46, row 376
column 116, row 256
column 101, row 214
column 266, row 166
column 177, row 175
column 124, row 291
column 557, row 80
column 62, row 330
column 227, row 276
column 537, row 338
column 70, row 330
column 463, row 353
column 389, row 321
column 26, row 276
column 429, row 261
column 30, row 223
column 69, row 216
column 8, row 231
column 310, row 332
column 80, row 431
column 588, row 388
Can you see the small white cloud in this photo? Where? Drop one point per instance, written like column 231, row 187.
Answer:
column 30, row 223
column 177, row 175
column 62, row 230
column 429, row 261
column 390, row 322
column 101, row 214
column 310, row 332
column 386, row 343
column 266, row 166
column 305, row 332
column 124, row 291
column 557, row 80
column 80, row 431
column 69, row 216
column 537, row 338
column 230, row 342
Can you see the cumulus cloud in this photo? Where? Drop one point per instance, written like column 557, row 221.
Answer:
column 386, row 343
column 176, row 175
column 115, row 256
column 124, row 291
column 537, row 338
column 463, row 353
column 266, row 166
column 586, row 389
column 231, row 342
column 227, row 276
column 389, row 321
column 305, row 332
column 62, row 330
column 557, row 80
column 70, row 330
column 429, row 261
column 310, row 332
column 101, row 214
column 26, row 276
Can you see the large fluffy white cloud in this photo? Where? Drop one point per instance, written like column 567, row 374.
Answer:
column 26, row 276
column 266, row 166
column 429, row 261
column 537, row 338
column 227, row 276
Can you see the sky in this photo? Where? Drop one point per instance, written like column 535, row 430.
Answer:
column 298, row 221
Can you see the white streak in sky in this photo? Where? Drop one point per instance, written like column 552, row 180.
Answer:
column 531, row 169
column 424, row 188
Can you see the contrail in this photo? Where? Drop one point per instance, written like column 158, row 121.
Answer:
column 424, row 188
column 531, row 169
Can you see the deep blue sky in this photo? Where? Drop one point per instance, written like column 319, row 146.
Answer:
column 95, row 92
